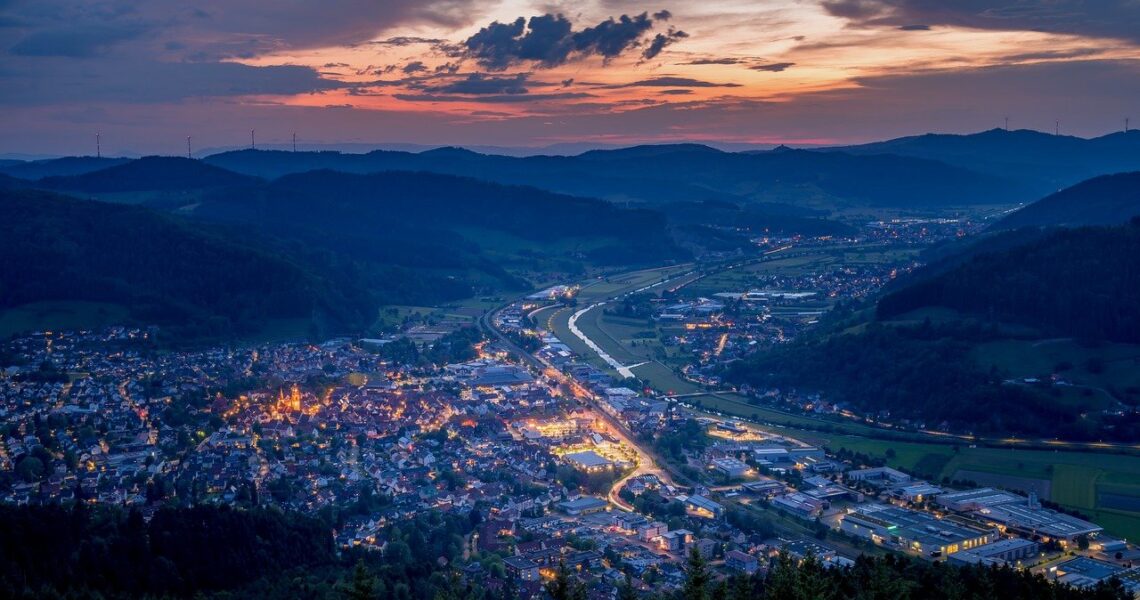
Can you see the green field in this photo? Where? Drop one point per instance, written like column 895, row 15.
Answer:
column 40, row 316
column 1103, row 368
column 663, row 379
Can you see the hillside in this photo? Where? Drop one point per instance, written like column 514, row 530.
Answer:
column 676, row 173
column 1043, row 161
column 152, row 173
column 194, row 281
column 944, row 346
column 1106, row 200
column 1082, row 283
column 334, row 245
column 435, row 221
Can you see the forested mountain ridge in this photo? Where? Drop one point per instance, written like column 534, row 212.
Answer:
column 1105, row 200
column 59, row 167
column 1081, row 283
column 166, row 271
column 680, row 172
column 235, row 253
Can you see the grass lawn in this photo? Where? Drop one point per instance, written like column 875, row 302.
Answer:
column 607, row 336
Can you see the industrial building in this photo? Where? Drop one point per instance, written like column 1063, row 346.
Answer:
column 699, row 506
column 1019, row 514
column 730, row 466
column 585, row 505
column 1012, row 552
column 799, row 505
column 914, row 531
column 588, row 461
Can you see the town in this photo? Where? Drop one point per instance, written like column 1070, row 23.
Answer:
column 563, row 455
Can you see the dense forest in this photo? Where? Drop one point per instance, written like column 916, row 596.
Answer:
column 194, row 280
column 1082, row 283
column 418, row 219
column 222, row 553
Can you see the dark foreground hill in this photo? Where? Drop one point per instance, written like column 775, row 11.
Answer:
column 937, row 351
column 167, row 271
column 222, row 553
column 1105, row 200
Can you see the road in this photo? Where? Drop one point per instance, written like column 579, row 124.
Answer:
column 646, row 463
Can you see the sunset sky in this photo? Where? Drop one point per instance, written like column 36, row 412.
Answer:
column 145, row 74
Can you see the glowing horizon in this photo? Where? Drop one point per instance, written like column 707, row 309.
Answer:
column 465, row 72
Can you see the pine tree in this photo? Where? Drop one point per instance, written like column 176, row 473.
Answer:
column 363, row 584
column 565, row 586
column 697, row 577
column 626, row 591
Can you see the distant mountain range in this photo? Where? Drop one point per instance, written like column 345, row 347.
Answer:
column 920, row 172
column 1048, row 162
column 444, row 224
column 653, row 174
column 58, row 167
column 679, row 173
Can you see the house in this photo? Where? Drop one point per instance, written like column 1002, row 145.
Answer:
column 676, row 540
column 630, row 521
column 652, row 530
column 741, row 561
